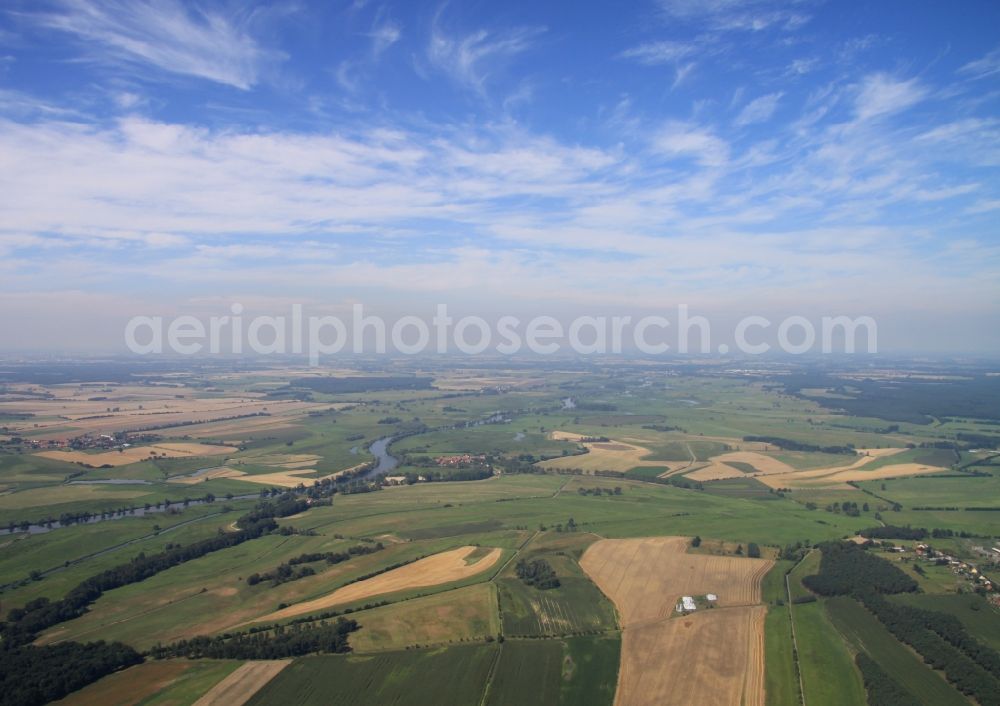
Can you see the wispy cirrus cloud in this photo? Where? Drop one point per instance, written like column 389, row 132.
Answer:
column 984, row 67
column 758, row 110
column 880, row 94
column 737, row 15
column 663, row 52
column 385, row 32
column 681, row 55
column 472, row 58
column 165, row 34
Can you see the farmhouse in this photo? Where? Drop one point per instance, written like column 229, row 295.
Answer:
column 688, row 603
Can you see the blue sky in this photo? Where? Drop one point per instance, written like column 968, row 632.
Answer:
column 740, row 157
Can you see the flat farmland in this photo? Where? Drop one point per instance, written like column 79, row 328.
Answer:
column 442, row 568
column 601, row 456
column 237, row 688
column 717, row 654
column 153, row 683
column 210, row 594
column 576, row 606
column 468, row 613
column 940, row 491
column 452, row 676
column 62, row 417
column 577, row 671
column 829, row 677
column 781, row 679
column 135, row 454
column 711, row 657
column 864, row 632
column 633, row 571
column 736, row 464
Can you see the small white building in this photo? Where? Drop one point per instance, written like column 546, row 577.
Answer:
column 711, row 597
column 688, row 603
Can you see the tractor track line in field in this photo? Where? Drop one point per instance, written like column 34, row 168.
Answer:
column 489, row 677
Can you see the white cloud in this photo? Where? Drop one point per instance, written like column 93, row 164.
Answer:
column 472, row 58
column 984, row 67
column 653, row 53
column 165, row 34
column 880, row 94
column 736, row 15
column 800, row 67
column 984, row 206
column 678, row 139
column 758, row 110
column 384, row 34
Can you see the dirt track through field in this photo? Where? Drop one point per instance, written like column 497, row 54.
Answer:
column 711, row 656
column 237, row 688
column 431, row 571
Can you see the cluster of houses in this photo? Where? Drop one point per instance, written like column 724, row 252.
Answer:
column 460, row 460
column 959, row 567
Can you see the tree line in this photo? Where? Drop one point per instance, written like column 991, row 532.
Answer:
column 944, row 644
column 894, row 532
column 279, row 642
column 792, row 445
column 285, row 572
column 882, row 689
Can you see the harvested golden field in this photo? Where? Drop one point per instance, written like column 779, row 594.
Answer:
column 839, row 475
column 778, row 474
column 646, row 576
column 601, row 456
column 79, row 410
column 137, row 453
column 247, row 680
column 762, row 462
column 715, row 471
column 431, row 571
column 712, row 656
